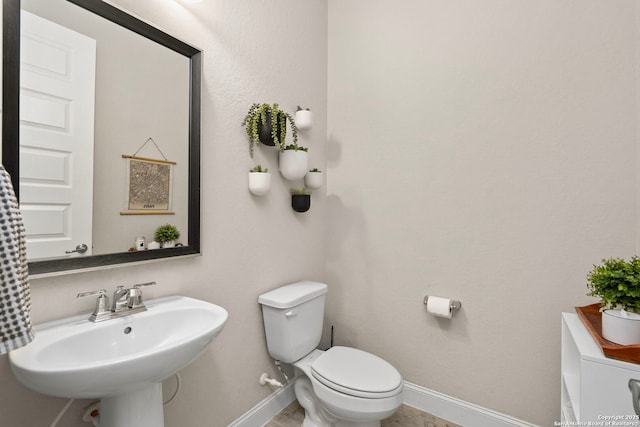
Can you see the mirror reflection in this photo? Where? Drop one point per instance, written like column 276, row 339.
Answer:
column 91, row 92
column 109, row 135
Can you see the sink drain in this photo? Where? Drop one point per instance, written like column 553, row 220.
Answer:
column 127, row 330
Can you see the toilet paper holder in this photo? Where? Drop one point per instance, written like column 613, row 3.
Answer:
column 455, row 305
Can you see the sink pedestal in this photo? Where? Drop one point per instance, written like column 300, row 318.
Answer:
column 140, row 408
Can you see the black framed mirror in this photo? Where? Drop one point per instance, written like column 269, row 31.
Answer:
column 11, row 132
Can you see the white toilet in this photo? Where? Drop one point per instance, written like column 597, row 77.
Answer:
column 339, row 387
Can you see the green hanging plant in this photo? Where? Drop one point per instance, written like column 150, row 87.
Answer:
column 263, row 115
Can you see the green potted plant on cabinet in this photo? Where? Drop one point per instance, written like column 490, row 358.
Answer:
column 293, row 161
column 167, row 235
column 300, row 199
column 259, row 180
column 617, row 283
column 267, row 123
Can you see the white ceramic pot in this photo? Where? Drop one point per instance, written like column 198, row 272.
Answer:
column 169, row 244
column 313, row 180
column 293, row 164
column 303, row 119
column 259, row 183
column 621, row 327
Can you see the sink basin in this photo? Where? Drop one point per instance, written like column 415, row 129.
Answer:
column 118, row 358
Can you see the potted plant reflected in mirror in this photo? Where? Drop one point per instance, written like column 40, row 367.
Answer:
column 617, row 283
column 167, row 235
column 300, row 199
column 293, row 162
column 267, row 124
column 259, row 180
column 313, row 178
column 304, row 118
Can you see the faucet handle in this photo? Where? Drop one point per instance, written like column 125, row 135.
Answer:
column 86, row 294
column 101, row 312
column 135, row 295
column 139, row 285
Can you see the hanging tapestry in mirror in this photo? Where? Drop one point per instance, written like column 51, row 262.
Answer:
column 149, row 184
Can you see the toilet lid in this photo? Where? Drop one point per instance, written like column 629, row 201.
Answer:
column 356, row 372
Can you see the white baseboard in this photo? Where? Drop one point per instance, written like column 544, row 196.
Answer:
column 435, row 403
column 456, row 410
column 268, row 408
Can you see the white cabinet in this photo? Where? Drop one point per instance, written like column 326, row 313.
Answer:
column 595, row 388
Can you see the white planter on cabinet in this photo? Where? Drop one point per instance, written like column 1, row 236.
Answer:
column 621, row 327
column 259, row 183
column 293, row 164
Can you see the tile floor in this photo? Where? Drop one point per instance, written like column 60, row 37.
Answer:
column 406, row 416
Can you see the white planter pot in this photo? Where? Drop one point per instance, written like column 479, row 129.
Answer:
column 621, row 327
column 303, row 119
column 169, row 244
column 293, row 164
column 313, row 180
column 259, row 183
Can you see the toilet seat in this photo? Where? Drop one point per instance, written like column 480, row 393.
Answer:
column 356, row 373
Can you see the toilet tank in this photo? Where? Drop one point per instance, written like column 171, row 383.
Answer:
column 293, row 316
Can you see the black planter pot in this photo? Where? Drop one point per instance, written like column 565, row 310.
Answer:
column 264, row 131
column 300, row 202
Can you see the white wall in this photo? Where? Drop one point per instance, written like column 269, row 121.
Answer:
column 506, row 171
column 484, row 151
column 254, row 51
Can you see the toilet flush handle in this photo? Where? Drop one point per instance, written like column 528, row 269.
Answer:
column 291, row 313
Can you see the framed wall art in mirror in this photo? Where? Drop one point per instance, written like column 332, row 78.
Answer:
column 110, row 82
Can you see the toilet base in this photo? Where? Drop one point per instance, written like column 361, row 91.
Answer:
column 354, row 424
column 309, row 423
column 314, row 414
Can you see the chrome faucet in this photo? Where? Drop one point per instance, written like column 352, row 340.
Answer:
column 120, row 301
column 126, row 301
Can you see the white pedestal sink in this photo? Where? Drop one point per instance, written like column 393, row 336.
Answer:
column 120, row 361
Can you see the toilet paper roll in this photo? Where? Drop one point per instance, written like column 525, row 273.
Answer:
column 439, row 306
